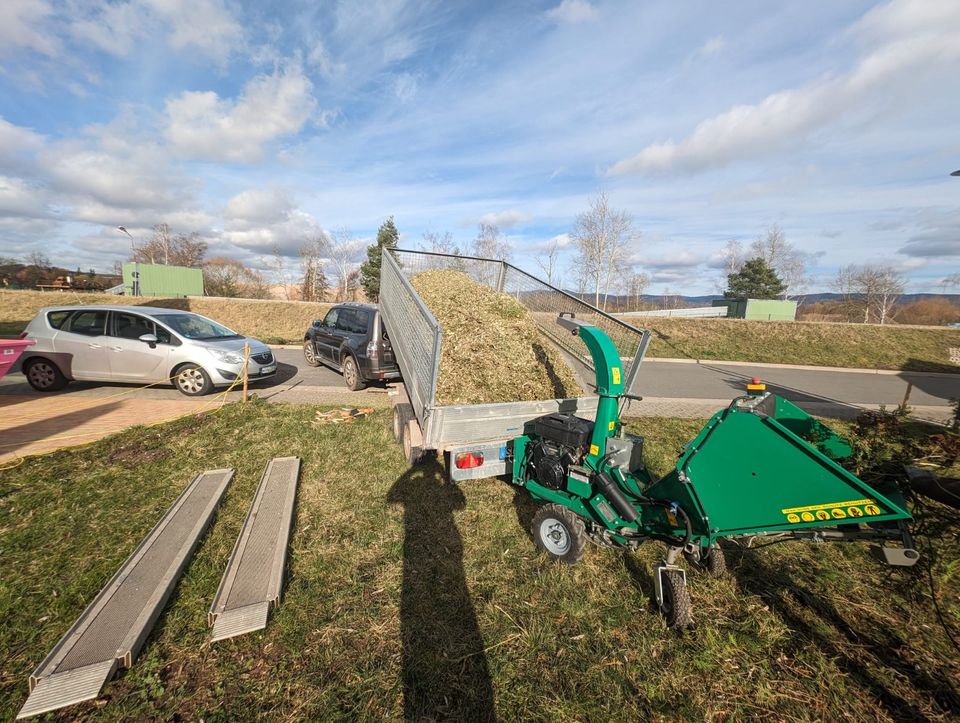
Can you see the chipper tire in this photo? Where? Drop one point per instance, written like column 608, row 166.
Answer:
column 715, row 563
column 676, row 607
column 559, row 533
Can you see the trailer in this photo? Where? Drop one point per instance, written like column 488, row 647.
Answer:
column 473, row 437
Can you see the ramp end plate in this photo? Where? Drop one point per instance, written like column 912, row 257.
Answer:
column 66, row 688
column 238, row 621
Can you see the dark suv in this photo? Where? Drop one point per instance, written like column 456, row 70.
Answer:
column 351, row 339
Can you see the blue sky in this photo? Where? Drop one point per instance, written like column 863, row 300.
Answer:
column 258, row 124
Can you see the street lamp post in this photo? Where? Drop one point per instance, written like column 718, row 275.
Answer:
column 135, row 274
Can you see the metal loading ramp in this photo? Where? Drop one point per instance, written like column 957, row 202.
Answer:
column 111, row 631
column 253, row 579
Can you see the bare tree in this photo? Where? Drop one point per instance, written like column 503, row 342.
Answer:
column 951, row 282
column 636, row 287
column 878, row 287
column 162, row 248
column 490, row 243
column 277, row 266
column 313, row 251
column 549, row 259
column 733, row 259
column 602, row 235
column 439, row 243
column 344, row 247
column 780, row 255
column 224, row 276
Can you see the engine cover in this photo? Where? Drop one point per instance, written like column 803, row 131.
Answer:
column 564, row 430
column 548, row 466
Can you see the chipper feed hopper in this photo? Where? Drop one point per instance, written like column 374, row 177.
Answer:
column 761, row 468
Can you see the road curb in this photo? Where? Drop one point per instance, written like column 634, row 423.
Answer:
column 803, row 367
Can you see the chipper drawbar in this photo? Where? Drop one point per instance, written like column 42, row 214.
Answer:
column 761, row 468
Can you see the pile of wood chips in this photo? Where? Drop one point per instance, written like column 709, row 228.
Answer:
column 492, row 350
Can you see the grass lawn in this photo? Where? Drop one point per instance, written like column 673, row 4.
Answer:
column 408, row 597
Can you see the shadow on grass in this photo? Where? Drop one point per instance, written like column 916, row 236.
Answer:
column 870, row 654
column 445, row 673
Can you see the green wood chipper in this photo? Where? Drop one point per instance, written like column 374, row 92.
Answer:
column 761, row 468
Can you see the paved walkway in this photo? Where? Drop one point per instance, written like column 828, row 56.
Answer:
column 36, row 424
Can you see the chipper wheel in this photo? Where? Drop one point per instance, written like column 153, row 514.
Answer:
column 714, row 564
column 676, row 605
column 558, row 532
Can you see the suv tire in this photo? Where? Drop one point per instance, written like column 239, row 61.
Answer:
column 351, row 374
column 310, row 354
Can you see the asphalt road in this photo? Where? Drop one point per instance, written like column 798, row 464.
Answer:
column 296, row 382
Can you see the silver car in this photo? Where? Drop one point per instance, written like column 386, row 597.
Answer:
column 137, row 344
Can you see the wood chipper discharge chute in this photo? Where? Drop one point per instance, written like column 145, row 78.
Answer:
column 761, row 468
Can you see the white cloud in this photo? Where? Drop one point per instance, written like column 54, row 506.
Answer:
column 203, row 26
column 203, row 125
column 22, row 27
column 113, row 28
column 259, row 220
column 405, row 87
column 17, row 198
column 713, row 46
column 505, row 219
column 17, row 142
column 257, row 206
column 572, row 11
column 913, row 41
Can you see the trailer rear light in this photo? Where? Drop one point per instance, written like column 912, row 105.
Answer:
column 469, row 460
column 23, row 335
column 371, row 350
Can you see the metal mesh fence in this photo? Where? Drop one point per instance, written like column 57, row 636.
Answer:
column 545, row 303
column 418, row 346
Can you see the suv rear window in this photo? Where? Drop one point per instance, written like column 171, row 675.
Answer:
column 56, row 318
column 353, row 321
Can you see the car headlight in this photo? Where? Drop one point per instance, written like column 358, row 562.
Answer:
column 230, row 357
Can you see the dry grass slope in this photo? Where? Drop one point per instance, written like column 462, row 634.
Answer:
column 493, row 351
column 818, row 343
column 271, row 321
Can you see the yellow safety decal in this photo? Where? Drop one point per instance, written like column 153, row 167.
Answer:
column 611, row 426
column 823, row 515
column 855, row 512
column 807, row 517
column 837, row 513
column 616, row 375
column 827, row 506
column 793, row 517
column 594, row 449
column 872, row 510
column 672, row 518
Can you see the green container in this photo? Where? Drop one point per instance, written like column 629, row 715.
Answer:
column 160, row 280
column 759, row 309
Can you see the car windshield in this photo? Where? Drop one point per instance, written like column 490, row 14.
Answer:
column 192, row 326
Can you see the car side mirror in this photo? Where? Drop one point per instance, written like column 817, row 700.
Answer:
column 150, row 339
column 316, row 322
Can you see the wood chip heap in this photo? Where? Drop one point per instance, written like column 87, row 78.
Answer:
column 492, row 350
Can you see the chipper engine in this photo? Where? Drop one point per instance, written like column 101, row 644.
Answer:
column 761, row 468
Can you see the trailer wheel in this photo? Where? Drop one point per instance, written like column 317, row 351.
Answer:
column 560, row 533
column 676, row 606
column 413, row 454
column 402, row 413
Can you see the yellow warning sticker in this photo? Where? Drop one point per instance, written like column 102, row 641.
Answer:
column 827, row 506
column 823, row 515
column 616, row 375
column 807, row 517
column 872, row 510
column 611, row 426
column 855, row 512
column 837, row 513
column 594, row 449
column 793, row 517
